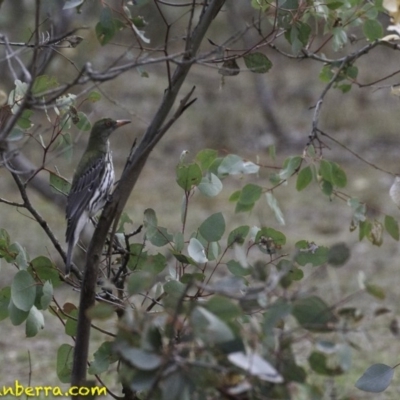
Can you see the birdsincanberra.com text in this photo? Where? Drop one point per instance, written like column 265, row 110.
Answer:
column 18, row 390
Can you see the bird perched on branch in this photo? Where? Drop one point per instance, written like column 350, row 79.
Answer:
column 92, row 182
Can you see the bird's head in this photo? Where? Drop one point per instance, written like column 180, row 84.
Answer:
column 103, row 128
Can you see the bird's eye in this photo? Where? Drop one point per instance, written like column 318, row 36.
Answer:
column 108, row 123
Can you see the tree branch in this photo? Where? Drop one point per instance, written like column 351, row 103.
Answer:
column 120, row 196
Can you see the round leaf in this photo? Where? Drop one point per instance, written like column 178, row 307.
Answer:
column 188, row 176
column 210, row 185
column 23, row 290
column 338, row 254
column 196, row 251
column 304, row 178
column 372, row 29
column 250, row 194
column 257, row 62
column 34, row 322
column 213, row 227
column 65, row 355
column 376, row 378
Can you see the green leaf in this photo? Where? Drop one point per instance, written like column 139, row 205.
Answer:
column 375, row 290
column 23, row 290
column 290, row 165
column 210, row 185
column 105, row 28
column 372, row 29
column 182, row 258
column 338, row 176
column 189, row 278
column 255, row 365
column 338, row 254
column 5, row 297
column 240, row 207
column 392, row 227
column 157, row 235
column 64, row 144
column 178, row 242
column 103, row 357
column 43, row 83
column 313, row 314
column 235, row 165
column 160, row 237
column 345, row 87
column 365, row 229
column 139, row 281
column 188, row 176
column 93, row 97
column 59, row 184
column 65, row 356
column 261, row 5
column 15, row 135
column 46, row 270
column 137, row 256
column 236, row 268
column 196, row 251
column 275, row 313
column 325, row 170
column 257, row 62
column 24, row 121
column 270, row 234
column 235, row 196
column 123, row 219
column 304, row 32
column 34, row 322
column 209, row 328
column 326, row 187
column 376, row 378
column 223, row 308
column 238, row 235
column 71, row 324
column 213, row 227
column 17, row 316
column 250, row 194
column 138, row 358
column 205, row 158
column 319, row 363
column 313, row 254
column 304, row 178
column 326, row 73
column 47, row 295
column 274, row 205
column 334, row 5
column 339, row 38
column 100, row 311
column 155, row 264
column 351, row 72
column 174, row 288
column 20, row 255
column 83, row 123
column 4, row 245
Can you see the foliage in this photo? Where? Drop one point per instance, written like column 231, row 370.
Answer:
column 223, row 309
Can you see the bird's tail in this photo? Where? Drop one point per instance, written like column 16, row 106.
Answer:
column 69, row 259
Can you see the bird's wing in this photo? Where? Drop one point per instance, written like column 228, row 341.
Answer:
column 81, row 192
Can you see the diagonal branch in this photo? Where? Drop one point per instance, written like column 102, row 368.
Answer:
column 129, row 177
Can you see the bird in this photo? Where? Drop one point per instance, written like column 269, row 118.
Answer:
column 395, row 191
column 92, row 182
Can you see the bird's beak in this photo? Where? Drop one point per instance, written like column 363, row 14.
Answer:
column 122, row 122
